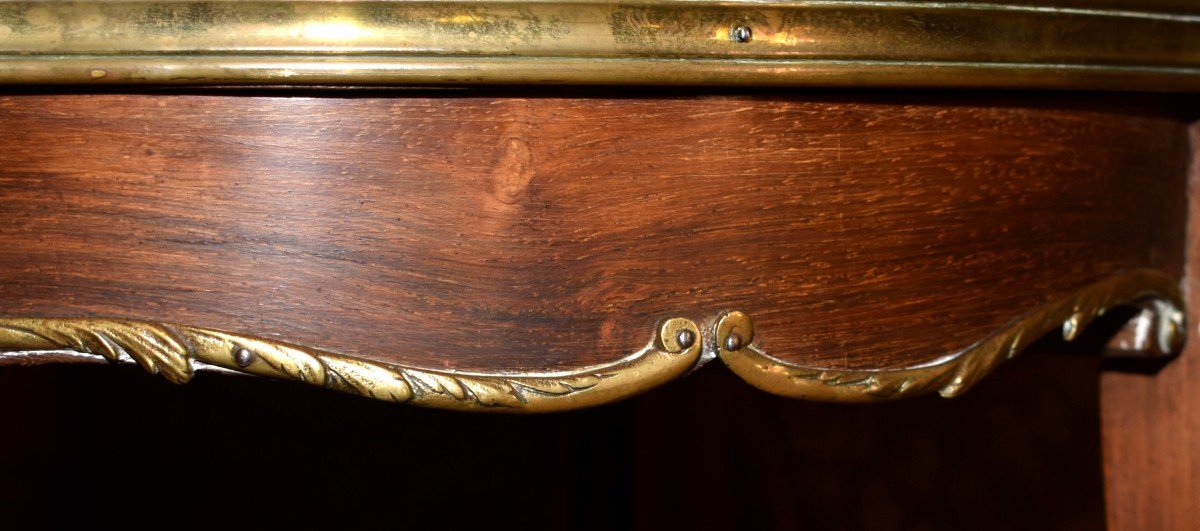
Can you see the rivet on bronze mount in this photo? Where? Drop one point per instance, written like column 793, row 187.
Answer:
column 1073, row 325
column 740, row 34
column 678, row 335
column 734, row 331
column 733, row 342
column 685, row 338
column 243, row 357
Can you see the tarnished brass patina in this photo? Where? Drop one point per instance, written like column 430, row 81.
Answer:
column 174, row 350
column 643, row 42
column 954, row 373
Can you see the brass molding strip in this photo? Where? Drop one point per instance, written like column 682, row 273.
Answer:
column 955, row 373
column 646, row 42
column 174, row 351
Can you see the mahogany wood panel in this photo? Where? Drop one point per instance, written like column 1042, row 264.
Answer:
column 501, row 232
column 1151, row 421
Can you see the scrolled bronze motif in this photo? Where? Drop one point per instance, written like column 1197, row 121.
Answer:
column 678, row 346
column 954, row 373
column 174, row 350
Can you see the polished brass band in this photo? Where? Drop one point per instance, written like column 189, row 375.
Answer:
column 954, row 373
column 174, row 351
column 664, row 42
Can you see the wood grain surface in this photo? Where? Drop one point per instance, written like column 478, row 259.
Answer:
column 1151, row 420
column 489, row 232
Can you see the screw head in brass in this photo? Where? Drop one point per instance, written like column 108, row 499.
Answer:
column 1072, row 326
column 677, row 335
column 733, row 341
column 734, row 332
column 740, row 34
column 686, row 338
column 243, row 357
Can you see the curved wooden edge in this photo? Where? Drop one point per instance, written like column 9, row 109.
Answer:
column 175, row 351
column 956, row 372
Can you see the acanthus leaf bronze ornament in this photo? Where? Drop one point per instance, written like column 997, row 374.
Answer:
column 678, row 347
column 175, row 350
column 1159, row 329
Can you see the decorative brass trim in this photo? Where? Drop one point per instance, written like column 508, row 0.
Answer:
column 640, row 42
column 677, row 347
column 955, row 373
column 175, row 350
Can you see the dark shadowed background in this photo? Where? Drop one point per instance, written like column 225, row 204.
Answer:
column 103, row 447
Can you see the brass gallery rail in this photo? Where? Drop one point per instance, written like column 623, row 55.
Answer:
column 770, row 43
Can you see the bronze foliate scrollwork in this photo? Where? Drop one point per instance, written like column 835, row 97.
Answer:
column 174, row 350
column 954, row 373
column 678, row 346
